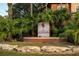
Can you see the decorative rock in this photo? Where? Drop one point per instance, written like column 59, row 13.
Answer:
column 28, row 49
column 53, row 50
column 68, row 52
column 64, row 49
column 50, row 49
column 11, row 47
column 1, row 46
column 45, row 49
column 7, row 46
column 71, row 46
column 32, row 48
column 14, row 46
column 76, row 50
column 20, row 49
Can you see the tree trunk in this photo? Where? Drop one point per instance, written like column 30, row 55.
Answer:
column 31, row 13
column 51, row 29
column 46, row 6
column 31, row 9
column 10, row 10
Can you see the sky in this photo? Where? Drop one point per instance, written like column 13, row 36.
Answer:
column 3, row 9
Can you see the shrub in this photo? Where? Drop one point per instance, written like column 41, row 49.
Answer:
column 46, row 16
column 59, row 17
column 72, row 35
column 71, row 31
column 10, row 28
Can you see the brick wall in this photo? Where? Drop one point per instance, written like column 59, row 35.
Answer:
column 38, row 39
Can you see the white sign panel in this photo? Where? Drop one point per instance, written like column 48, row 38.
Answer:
column 43, row 29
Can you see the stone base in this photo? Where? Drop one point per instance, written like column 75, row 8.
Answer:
column 44, row 39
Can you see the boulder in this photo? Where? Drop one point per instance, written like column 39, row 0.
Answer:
column 7, row 46
column 68, row 52
column 50, row 49
column 76, row 49
column 14, row 46
column 25, row 49
column 64, row 49
column 1, row 46
column 56, row 49
column 32, row 48
column 20, row 49
column 44, row 48
column 71, row 46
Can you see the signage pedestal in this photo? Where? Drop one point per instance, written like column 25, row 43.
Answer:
column 43, row 29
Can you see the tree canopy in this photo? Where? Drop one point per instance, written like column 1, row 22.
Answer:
column 22, row 10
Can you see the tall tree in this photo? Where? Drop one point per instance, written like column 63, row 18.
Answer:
column 21, row 10
column 10, row 12
column 31, row 9
column 26, row 10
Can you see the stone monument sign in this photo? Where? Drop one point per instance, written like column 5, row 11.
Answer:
column 43, row 29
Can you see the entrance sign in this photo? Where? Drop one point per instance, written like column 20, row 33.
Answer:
column 43, row 29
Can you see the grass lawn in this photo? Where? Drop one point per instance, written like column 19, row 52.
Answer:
column 38, row 43
column 14, row 53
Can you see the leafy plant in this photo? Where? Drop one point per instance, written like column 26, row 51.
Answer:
column 71, row 31
column 46, row 16
column 59, row 17
column 10, row 28
column 72, row 35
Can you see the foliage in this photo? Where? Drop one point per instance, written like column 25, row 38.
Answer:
column 24, row 23
column 21, row 10
column 71, row 30
column 59, row 17
column 76, row 15
column 1, row 17
column 10, row 28
column 72, row 35
column 46, row 16
column 3, row 29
